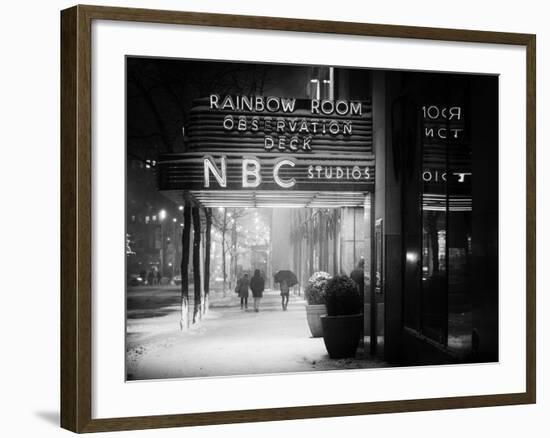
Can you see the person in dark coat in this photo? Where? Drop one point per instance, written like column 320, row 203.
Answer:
column 159, row 277
column 285, row 293
column 242, row 289
column 257, row 285
column 143, row 276
column 150, row 278
column 358, row 276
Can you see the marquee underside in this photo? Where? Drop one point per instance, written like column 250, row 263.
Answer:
column 271, row 198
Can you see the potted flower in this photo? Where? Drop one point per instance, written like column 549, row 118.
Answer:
column 315, row 297
column 343, row 324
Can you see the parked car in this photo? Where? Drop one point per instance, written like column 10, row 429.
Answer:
column 177, row 279
column 135, row 280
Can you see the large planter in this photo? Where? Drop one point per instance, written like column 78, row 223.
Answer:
column 342, row 334
column 313, row 313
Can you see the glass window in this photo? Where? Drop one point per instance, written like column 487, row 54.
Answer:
column 446, row 309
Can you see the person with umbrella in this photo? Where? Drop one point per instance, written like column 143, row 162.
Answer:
column 285, row 294
column 286, row 280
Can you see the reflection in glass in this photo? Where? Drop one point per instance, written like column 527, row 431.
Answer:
column 446, row 302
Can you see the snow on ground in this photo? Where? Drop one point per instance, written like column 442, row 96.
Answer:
column 228, row 341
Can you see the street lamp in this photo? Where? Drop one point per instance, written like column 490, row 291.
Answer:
column 162, row 215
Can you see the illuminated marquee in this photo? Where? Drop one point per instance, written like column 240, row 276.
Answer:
column 273, row 143
column 252, row 177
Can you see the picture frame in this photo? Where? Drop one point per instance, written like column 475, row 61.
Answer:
column 77, row 194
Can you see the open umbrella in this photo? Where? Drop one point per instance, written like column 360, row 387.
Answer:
column 289, row 276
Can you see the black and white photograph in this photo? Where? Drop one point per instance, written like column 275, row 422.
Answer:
column 275, row 219
column 308, row 218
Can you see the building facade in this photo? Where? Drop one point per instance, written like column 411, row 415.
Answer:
column 391, row 172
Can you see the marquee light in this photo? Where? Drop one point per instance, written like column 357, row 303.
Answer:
column 210, row 166
column 254, row 172
column 285, row 184
column 251, row 177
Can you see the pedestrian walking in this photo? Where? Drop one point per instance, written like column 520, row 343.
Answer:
column 150, row 278
column 143, row 276
column 257, row 285
column 159, row 277
column 242, row 289
column 285, row 292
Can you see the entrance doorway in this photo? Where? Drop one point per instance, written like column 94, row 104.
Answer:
column 332, row 238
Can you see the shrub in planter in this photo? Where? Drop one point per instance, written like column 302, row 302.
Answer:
column 342, row 296
column 315, row 288
column 343, row 324
column 315, row 297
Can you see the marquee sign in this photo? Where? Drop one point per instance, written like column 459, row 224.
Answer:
column 273, row 143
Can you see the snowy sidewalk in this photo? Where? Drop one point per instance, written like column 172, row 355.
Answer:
column 228, row 341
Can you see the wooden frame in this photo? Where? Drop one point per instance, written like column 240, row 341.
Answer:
column 76, row 174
